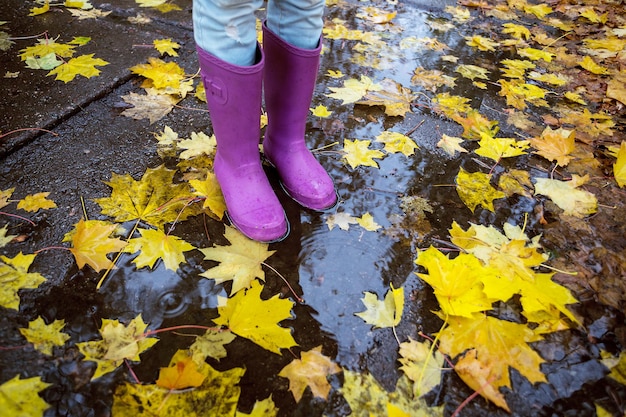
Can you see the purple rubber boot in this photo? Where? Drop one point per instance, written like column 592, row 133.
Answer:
column 234, row 100
column 290, row 75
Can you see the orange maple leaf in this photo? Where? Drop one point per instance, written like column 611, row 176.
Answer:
column 91, row 243
column 182, row 374
column 310, row 371
column 555, row 145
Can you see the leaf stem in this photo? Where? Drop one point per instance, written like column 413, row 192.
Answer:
column 182, row 326
column 52, row 247
column 117, row 257
column 299, row 299
column 558, row 270
column 132, row 373
column 18, row 217
column 28, row 128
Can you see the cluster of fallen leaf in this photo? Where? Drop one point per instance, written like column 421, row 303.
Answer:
column 494, row 266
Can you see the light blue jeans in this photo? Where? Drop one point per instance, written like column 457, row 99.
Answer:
column 227, row 28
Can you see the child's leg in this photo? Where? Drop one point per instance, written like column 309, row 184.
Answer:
column 231, row 65
column 292, row 45
column 227, row 29
column 298, row 22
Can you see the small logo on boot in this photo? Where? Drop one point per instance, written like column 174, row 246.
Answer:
column 216, row 91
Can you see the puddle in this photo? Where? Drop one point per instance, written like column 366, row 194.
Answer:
column 329, row 269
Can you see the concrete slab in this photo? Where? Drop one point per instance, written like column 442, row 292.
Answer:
column 34, row 100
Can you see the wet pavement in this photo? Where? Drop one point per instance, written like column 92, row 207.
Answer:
column 68, row 139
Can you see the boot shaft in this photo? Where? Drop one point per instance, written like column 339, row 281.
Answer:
column 234, row 95
column 289, row 77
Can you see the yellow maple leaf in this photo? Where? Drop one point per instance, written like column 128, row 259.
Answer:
column 512, row 253
column 210, row 189
column 5, row 195
column 555, row 145
column 611, row 44
column 553, row 79
column 180, row 374
column 35, row 202
column 431, row 79
column 515, row 181
column 40, row 10
column 248, row 315
column 264, row 408
column 420, row 364
column 5, row 239
column 472, row 71
column 474, row 189
column 310, row 371
column 150, row 3
column 166, row 46
column 353, row 89
column 542, row 294
column 218, row 395
column 539, row 10
column 451, row 144
column 149, row 106
column 376, row 15
column 321, row 111
column 357, row 152
column 14, row 276
column 199, row 144
column 566, row 195
column 452, row 106
column 91, row 243
column 590, row 65
column 490, row 347
column 240, row 261
column 619, row 167
column 536, row 54
column 155, row 244
column 456, row 297
column 46, row 47
column 367, row 398
column 498, row 148
column 367, row 222
column 518, row 92
column 154, row 199
column 119, row 342
column 386, row 312
column 516, row 68
column 163, row 74
column 397, row 142
column 210, row 345
column 84, row 65
column 517, row 31
column 593, row 16
column 45, row 337
column 392, row 95
column 342, row 219
column 20, row 397
column 481, row 43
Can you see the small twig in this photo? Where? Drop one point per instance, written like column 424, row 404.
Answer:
column 417, row 126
